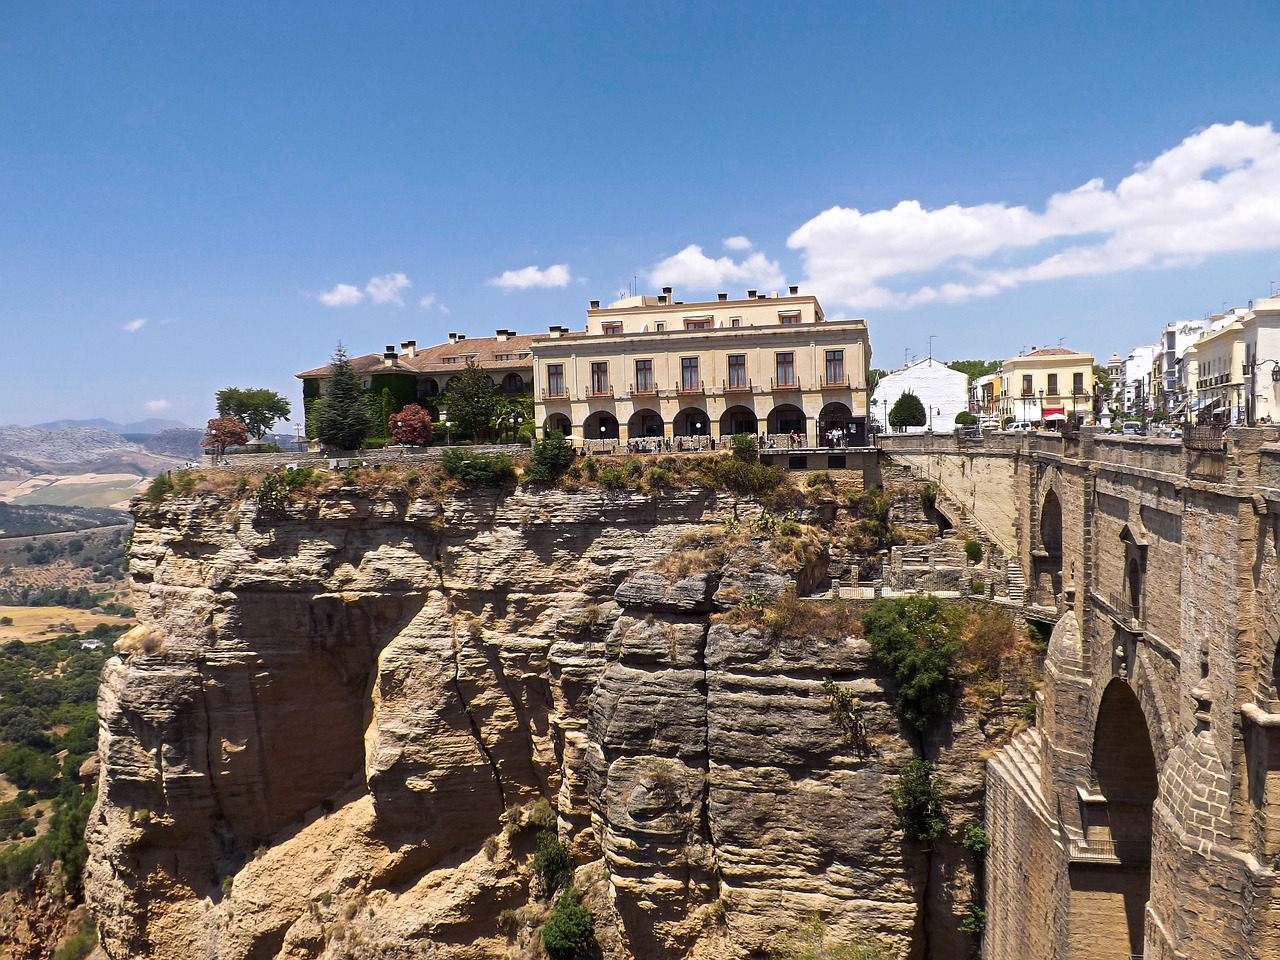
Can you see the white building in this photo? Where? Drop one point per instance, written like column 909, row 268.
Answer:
column 1139, row 396
column 1177, row 339
column 943, row 392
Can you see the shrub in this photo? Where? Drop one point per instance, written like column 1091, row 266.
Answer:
column 570, row 930
column 159, row 488
column 744, row 447
column 916, row 802
column 975, row 921
column 915, row 640
column 929, row 497
column 81, row 944
column 741, row 476
column 551, row 862
column 966, row 419
column 976, row 840
column 484, row 469
column 810, row 942
column 908, row 411
column 973, row 550
column 551, row 457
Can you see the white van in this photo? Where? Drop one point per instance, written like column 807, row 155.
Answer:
column 1019, row 426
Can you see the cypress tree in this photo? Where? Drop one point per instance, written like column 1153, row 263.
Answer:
column 342, row 420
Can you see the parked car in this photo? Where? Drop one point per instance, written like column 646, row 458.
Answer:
column 1134, row 428
column 1020, row 426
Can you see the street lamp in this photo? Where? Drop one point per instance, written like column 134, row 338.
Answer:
column 447, row 434
column 1251, row 371
column 1042, row 406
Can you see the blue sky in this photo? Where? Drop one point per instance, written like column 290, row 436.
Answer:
column 199, row 196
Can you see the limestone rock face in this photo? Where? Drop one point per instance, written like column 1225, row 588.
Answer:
column 330, row 739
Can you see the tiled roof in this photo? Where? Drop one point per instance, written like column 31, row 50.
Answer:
column 1053, row 352
column 446, row 358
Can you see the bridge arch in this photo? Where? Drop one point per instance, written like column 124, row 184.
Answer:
column 1048, row 559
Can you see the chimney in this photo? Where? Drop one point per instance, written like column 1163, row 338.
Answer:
column 722, row 297
column 502, row 335
column 793, row 290
column 389, row 357
column 453, row 338
column 667, row 291
column 557, row 331
column 595, row 304
column 662, row 297
column 409, row 348
column 751, row 294
column 762, row 296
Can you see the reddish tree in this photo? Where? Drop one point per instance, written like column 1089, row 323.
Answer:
column 223, row 432
column 412, row 425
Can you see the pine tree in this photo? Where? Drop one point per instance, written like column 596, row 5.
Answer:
column 907, row 412
column 342, row 420
column 472, row 402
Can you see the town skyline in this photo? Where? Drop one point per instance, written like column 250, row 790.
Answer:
column 199, row 200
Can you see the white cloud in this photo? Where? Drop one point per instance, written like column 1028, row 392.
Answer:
column 155, row 406
column 1216, row 192
column 736, row 243
column 387, row 288
column 343, row 295
column 133, row 326
column 427, row 302
column 556, row 275
column 444, row 309
column 694, row 269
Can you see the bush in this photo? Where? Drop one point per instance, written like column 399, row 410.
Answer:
column 744, row 447
column 81, row 943
column 159, row 488
column 965, row 419
column 810, row 942
column 551, row 862
column 929, row 497
column 916, row 802
column 973, row 550
column 916, row 640
column 975, row 921
column 484, row 469
column 976, row 840
column 570, row 930
column 741, row 476
column 552, row 456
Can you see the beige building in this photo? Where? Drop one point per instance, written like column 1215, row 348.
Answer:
column 1049, row 384
column 648, row 367
column 1233, row 371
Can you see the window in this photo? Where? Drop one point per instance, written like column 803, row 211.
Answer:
column 644, row 376
column 697, row 323
column 1077, row 384
column 660, row 326
column 735, row 321
column 555, row 379
column 786, row 364
column 689, row 374
column 738, row 371
column 788, row 319
column 611, row 328
column 1053, row 384
column 835, row 366
column 600, row 377
column 1026, row 385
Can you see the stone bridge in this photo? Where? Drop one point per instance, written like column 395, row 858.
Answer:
column 1141, row 816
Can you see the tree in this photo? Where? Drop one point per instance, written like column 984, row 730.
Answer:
column 552, row 456
column 1102, row 380
column 473, row 402
column 966, row 419
column 907, row 412
column 412, row 425
column 973, row 369
column 256, row 407
column 342, row 418
column 223, row 432
column 873, row 378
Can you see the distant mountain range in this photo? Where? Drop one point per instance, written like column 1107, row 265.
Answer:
column 147, row 427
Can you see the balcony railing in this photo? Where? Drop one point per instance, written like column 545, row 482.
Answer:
column 554, row 393
column 690, row 387
column 1110, row 851
column 741, row 387
column 792, row 384
column 840, row 384
column 600, row 390
column 644, row 390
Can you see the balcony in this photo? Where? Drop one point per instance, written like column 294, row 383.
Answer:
column 600, row 390
column 744, row 386
column 643, row 390
column 840, row 384
column 690, row 387
column 781, row 386
column 555, row 393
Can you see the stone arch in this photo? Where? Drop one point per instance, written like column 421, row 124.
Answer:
column 786, row 417
column 601, row 425
column 1048, row 558
column 1112, row 865
column 645, row 423
column 834, row 416
column 738, row 419
column 428, row 387
column 557, row 421
column 692, row 422
column 513, row 383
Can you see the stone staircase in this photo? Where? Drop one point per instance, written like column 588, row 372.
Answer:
column 1018, row 764
column 1015, row 580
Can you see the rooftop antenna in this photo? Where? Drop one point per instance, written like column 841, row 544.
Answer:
column 1273, row 288
column 932, row 337
column 906, row 352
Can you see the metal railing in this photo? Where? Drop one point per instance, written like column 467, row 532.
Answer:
column 555, row 394
column 842, row 383
column 686, row 388
column 603, row 391
column 792, row 384
column 736, row 387
column 649, row 390
column 1110, row 851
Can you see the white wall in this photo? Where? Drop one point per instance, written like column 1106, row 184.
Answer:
column 937, row 386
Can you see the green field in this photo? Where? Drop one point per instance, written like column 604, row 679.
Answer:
column 82, row 494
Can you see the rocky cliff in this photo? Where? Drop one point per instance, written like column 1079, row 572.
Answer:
column 339, row 720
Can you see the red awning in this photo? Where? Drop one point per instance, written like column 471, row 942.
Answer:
column 1060, row 411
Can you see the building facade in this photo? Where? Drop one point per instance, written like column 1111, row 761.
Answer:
column 942, row 391
column 1052, row 383
column 652, row 367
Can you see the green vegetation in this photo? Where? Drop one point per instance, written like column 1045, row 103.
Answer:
column 82, row 941
column 48, row 728
column 744, row 447
column 411, row 424
column 974, row 921
column 256, row 408
column 813, row 942
column 473, row 404
column 973, row 551
column 551, row 862
column 973, row 369
column 160, row 487
column 551, row 457
column 849, row 715
column 570, row 929
column 223, row 432
column 976, row 840
column 966, row 419
column 908, row 411
column 915, row 639
column 478, row 469
column 341, row 417
column 929, row 497
column 916, row 802
column 29, row 520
